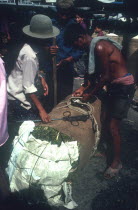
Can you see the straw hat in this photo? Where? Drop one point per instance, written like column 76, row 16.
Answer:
column 41, row 27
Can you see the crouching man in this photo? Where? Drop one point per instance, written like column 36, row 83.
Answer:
column 22, row 91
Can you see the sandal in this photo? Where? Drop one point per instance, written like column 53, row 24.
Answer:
column 112, row 172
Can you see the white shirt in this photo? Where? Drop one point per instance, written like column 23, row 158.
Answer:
column 3, row 105
column 22, row 78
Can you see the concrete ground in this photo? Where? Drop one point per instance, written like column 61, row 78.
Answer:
column 90, row 190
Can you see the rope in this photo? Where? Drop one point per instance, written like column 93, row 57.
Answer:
column 90, row 111
column 68, row 103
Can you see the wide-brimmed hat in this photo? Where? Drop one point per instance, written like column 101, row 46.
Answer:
column 41, row 27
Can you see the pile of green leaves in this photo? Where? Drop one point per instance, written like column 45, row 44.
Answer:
column 51, row 135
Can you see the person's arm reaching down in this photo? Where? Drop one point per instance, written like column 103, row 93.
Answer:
column 44, row 116
column 30, row 70
column 103, row 55
column 41, row 75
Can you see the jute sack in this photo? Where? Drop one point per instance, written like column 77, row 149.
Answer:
column 86, row 133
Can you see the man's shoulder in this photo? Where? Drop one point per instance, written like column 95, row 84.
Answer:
column 104, row 45
column 27, row 51
column 100, row 45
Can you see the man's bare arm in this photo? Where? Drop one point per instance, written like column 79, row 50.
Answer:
column 42, row 76
column 79, row 92
column 44, row 116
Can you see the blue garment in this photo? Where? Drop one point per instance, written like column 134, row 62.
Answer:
column 65, row 51
column 127, row 74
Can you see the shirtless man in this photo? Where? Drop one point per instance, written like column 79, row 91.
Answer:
column 111, row 72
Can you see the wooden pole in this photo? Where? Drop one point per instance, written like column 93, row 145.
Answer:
column 54, row 75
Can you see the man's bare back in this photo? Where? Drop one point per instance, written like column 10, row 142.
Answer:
column 111, row 60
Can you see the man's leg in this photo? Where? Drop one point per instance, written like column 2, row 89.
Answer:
column 114, row 130
column 115, row 165
column 105, row 146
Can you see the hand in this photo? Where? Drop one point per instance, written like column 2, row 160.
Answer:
column 79, row 92
column 53, row 50
column 45, row 86
column 44, row 116
column 64, row 61
column 86, row 97
column 69, row 59
column 60, row 63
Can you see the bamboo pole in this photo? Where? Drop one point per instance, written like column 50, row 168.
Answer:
column 54, row 75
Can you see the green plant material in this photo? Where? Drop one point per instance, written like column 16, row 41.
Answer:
column 51, row 135
column 54, row 137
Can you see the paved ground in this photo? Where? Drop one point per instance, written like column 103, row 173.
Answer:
column 90, row 190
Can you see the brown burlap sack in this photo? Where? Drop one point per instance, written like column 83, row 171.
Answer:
column 86, row 133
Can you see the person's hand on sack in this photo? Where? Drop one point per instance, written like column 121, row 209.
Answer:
column 79, row 92
column 86, row 97
column 44, row 116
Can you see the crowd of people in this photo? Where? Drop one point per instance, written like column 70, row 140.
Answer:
column 29, row 80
